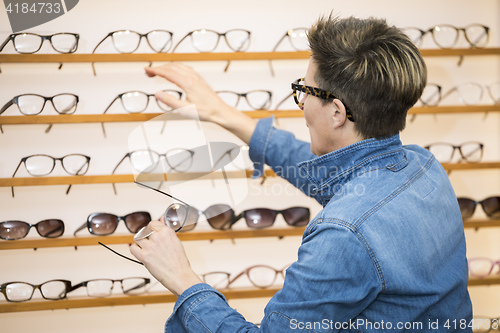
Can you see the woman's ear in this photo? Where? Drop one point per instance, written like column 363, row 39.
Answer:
column 338, row 113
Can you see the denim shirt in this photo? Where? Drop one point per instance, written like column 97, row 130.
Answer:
column 385, row 254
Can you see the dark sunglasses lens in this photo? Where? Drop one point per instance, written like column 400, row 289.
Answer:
column 50, row 228
column 135, row 221
column 191, row 220
column 260, row 217
column 491, row 207
column 103, row 224
column 297, row 216
column 11, row 230
column 467, row 207
column 219, row 216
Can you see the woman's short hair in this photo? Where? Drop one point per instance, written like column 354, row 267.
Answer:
column 372, row 67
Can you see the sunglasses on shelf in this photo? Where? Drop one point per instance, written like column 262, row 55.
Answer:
column 491, row 207
column 181, row 217
column 102, row 224
column 14, row 229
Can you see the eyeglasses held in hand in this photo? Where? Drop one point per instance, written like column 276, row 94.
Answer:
column 23, row 291
column 471, row 152
column 102, row 224
column 491, row 207
column 138, row 101
column 128, row 41
column 482, row 267
column 222, row 217
column 446, row 36
column 256, row 99
column 261, row 276
column 33, row 104
column 63, row 42
column 205, row 40
column 104, row 287
column 14, row 229
column 140, row 231
column 299, row 91
column 42, row 165
column 298, row 40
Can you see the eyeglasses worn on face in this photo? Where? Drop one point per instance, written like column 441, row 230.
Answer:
column 299, row 89
column 14, row 229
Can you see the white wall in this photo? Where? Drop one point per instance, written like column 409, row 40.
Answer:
column 267, row 20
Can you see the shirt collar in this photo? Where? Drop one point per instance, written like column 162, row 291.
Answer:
column 332, row 169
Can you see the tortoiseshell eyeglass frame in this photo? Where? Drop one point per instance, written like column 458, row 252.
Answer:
column 317, row 92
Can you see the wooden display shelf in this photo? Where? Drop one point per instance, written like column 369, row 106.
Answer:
column 257, row 114
column 128, row 117
column 154, row 57
column 153, row 298
column 476, row 224
column 484, row 282
column 118, row 300
column 76, row 241
column 108, row 179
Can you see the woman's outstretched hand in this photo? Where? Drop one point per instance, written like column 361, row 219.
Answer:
column 209, row 106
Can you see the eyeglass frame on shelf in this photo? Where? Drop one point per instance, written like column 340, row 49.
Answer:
column 217, row 42
column 287, row 34
column 43, row 38
column 23, row 160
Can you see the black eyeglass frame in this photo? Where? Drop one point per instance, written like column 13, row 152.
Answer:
column 54, row 159
column 67, row 285
column 15, row 100
column 12, row 37
column 223, row 34
column 245, row 95
column 316, row 92
column 29, row 225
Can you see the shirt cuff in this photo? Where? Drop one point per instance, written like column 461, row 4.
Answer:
column 186, row 303
column 258, row 145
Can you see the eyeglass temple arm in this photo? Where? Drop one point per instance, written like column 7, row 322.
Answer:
column 77, row 173
column 236, row 277
column 186, row 36
column 116, row 167
column 6, row 106
column 274, row 50
column 83, row 226
column 144, row 283
column 95, row 48
column 21, row 162
column 121, row 255
column 283, row 100
column 164, row 193
column 102, row 124
column 6, row 42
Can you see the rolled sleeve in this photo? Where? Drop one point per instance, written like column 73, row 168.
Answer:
column 258, row 144
column 202, row 308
